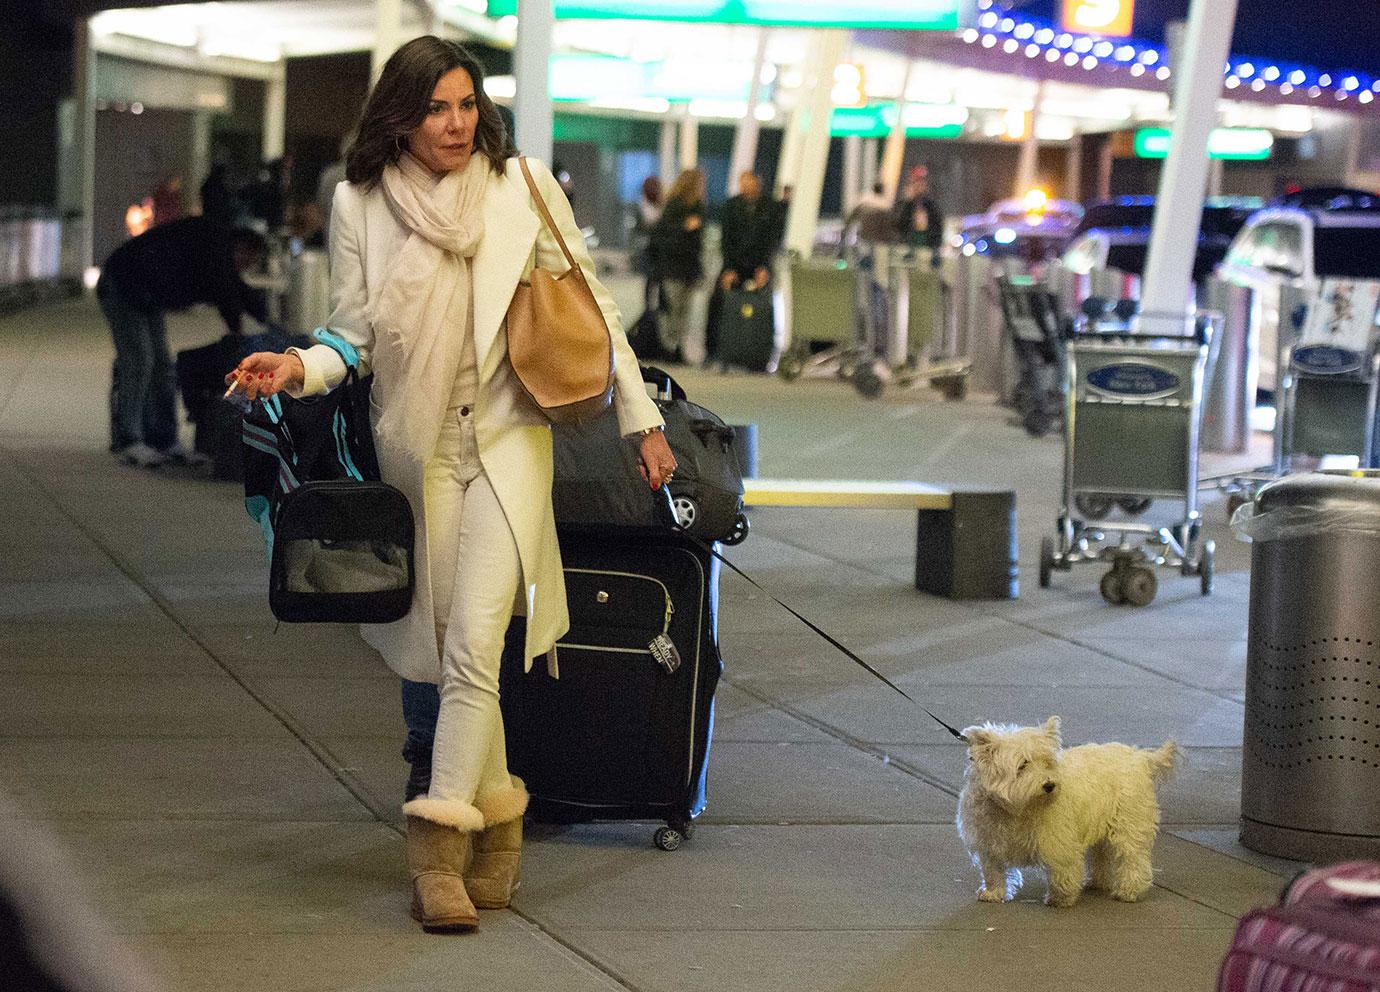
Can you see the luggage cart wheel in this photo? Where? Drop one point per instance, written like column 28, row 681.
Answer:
column 1138, row 586
column 792, row 364
column 953, row 387
column 867, row 382
column 686, row 511
column 1046, row 560
column 1133, row 506
column 740, row 530
column 1207, row 566
column 1110, row 587
column 1092, row 506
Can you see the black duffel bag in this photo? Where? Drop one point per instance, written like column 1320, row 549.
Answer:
column 597, row 483
column 340, row 541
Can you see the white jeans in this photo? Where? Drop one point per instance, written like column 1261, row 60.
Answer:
column 475, row 572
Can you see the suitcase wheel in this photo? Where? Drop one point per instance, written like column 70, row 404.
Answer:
column 740, row 530
column 687, row 511
column 671, row 836
column 668, row 838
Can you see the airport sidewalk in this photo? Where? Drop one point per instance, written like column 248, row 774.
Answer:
column 231, row 793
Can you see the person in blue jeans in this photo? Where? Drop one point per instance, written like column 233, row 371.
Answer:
column 168, row 267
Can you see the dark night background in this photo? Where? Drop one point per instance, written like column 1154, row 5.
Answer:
column 1329, row 34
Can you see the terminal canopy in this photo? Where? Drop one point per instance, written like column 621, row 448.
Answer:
column 935, row 15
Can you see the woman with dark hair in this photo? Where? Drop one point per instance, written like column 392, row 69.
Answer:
column 429, row 236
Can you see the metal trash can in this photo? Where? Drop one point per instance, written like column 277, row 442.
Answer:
column 1310, row 780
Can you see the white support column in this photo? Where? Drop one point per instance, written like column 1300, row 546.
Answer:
column 84, row 94
column 869, row 164
column 532, row 113
column 1179, row 205
column 1027, row 169
column 275, row 114
column 852, row 172
column 201, row 152
column 689, row 139
column 1352, row 170
column 1073, row 171
column 1104, row 170
column 387, row 34
column 749, row 127
column 803, row 216
column 1216, row 168
column 792, row 141
column 669, row 130
column 894, row 154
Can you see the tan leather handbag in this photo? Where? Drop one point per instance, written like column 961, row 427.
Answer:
column 558, row 342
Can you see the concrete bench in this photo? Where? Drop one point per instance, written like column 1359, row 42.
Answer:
column 965, row 542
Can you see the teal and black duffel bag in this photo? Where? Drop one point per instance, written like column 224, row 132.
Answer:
column 340, row 541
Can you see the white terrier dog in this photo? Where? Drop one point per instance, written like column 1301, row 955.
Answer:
column 1026, row 802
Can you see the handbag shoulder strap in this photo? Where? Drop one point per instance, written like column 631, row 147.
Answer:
column 545, row 214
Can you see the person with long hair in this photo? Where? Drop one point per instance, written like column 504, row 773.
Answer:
column 676, row 247
column 430, row 234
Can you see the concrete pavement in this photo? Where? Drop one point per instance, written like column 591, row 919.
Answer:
column 230, row 793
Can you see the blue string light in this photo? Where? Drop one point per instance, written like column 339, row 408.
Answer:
column 1038, row 38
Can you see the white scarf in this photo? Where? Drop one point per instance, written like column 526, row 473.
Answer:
column 425, row 310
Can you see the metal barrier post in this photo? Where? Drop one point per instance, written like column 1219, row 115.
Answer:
column 981, row 321
column 1231, row 386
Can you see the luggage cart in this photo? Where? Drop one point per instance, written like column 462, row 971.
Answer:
column 1035, row 329
column 1132, row 415
column 1330, row 375
column 824, row 333
column 906, row 323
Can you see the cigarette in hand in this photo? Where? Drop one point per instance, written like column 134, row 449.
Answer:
column 233, row 386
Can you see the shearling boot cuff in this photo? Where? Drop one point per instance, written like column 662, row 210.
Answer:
column 446, row 812
column 503, row 805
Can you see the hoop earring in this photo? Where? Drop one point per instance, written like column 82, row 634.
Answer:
column 397, row 144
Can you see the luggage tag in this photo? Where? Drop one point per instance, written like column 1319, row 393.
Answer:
column 663, row 649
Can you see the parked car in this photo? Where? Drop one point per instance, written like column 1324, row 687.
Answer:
column 1295, row 246
column 1116, row 234
column 1328, row 198
column 1027, row 231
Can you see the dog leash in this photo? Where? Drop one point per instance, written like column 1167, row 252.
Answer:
column 838, row 645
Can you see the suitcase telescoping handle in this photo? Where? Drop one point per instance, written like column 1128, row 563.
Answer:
column 666, row 387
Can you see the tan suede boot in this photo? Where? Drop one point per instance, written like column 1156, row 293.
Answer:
column 439, row 835
column 493, row 873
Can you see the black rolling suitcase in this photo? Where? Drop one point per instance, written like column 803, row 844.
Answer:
column 623, row 733
column 747, row 330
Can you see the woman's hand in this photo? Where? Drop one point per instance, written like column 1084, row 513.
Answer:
column 265, row 373
column 655, row 461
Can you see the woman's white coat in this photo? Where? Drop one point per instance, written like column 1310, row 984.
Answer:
column 514, row 438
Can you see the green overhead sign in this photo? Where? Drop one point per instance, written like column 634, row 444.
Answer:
column 1251, row 144
column 929, row 15
column 877, row 120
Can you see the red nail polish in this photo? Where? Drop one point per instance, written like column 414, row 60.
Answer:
column 261, row 375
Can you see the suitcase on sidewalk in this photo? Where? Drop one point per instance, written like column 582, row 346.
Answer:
column 1324, row 936
column 623, row 733
column 747, row 331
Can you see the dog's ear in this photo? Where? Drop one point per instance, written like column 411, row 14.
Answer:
column 1051, row 729
column 977, row 736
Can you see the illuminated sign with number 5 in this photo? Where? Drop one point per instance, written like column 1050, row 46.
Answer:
column 1106, row 17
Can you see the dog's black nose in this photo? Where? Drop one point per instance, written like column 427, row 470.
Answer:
column 1049, row 786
